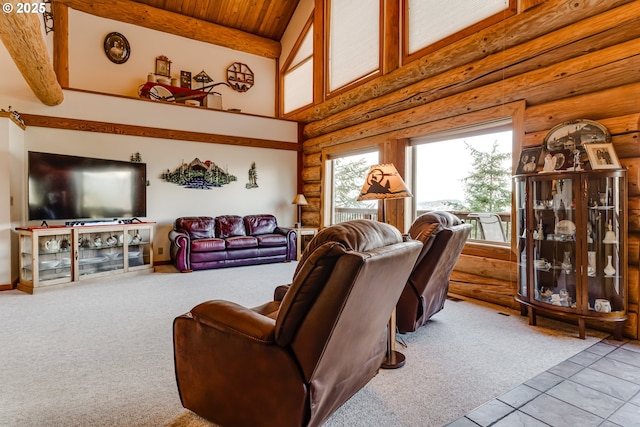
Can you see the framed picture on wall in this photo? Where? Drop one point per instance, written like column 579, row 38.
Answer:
column 117, row 48
column 602, row 156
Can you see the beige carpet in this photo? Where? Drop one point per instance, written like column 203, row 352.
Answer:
column 100, row 353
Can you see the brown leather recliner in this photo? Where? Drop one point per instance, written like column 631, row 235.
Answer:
column 443, row 236
column 294, row 362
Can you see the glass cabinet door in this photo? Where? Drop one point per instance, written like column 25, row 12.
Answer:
column 520, row 228
column 100, row 250
column 554, row 240
column 139, row 252
column 605, row 251
column 45, row 257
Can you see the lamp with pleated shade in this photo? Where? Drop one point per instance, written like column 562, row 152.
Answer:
column 300, row 201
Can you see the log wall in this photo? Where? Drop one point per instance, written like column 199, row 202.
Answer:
column 556, row 61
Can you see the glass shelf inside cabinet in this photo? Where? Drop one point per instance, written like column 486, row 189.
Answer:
column 99, row 251
column 554, row 242
column 54, row 256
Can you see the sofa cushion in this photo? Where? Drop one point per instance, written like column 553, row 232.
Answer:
column 208, row 245
column 197, row 227
column 229, row 226
column 241, row 242
column 260, row 224
column 272, row 240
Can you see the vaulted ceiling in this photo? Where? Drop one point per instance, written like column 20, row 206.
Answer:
column 264, row 18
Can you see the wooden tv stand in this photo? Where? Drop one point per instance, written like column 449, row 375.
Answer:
column 59, row 255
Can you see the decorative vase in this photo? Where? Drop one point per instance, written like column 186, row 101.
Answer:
column 609, row 270
column 591, row 270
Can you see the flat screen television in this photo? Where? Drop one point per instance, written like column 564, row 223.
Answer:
column 72, row 188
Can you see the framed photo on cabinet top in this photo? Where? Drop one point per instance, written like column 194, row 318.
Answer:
column 529, row 159
column 602, row 156
column 574, row 134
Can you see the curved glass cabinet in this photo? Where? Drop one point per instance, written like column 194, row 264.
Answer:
column 572, row 231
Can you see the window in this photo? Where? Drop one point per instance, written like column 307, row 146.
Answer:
column 298, row 76
column 354, row 41
column 429, row 24
column 344, row 178
column 469, row 174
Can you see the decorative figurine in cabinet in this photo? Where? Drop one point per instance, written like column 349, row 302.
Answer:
column 572, row 231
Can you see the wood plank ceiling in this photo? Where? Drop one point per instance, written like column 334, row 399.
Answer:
column 265, row 18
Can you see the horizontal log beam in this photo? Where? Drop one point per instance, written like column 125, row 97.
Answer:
column 529, row 85
column 150, row 132
column 21, row 34
column 180, row 25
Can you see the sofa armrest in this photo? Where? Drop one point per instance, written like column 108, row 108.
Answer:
column 232, row 318
column 180, row 250
column 292, row 239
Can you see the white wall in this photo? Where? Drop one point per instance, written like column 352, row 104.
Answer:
column 91, row 70
column 166, row 201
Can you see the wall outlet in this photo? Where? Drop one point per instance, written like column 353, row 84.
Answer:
column 160, row 251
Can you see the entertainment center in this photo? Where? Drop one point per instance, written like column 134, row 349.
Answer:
column 59, row 255
column 82, row 193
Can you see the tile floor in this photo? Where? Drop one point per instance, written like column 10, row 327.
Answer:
column 598, row 387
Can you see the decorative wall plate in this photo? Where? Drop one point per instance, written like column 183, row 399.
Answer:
column 117, row 48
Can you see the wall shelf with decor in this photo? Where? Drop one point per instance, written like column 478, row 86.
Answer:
column 55, row 256
column 572, row 249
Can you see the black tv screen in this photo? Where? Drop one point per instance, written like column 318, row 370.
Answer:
column 70, row 188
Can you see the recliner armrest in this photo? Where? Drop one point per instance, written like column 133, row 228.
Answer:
column 280, row 291
column 233, row 318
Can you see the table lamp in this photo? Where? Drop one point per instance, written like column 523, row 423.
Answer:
column 300, row 201
column 384, row 182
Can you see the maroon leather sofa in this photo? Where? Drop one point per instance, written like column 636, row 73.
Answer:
column 202, row 242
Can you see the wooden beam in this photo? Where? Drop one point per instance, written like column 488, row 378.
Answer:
column 21, row 34
column 61, row 43
column 150, row 132
column 540, row 85
column 180, row 25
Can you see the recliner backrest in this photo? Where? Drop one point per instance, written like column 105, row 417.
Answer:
column 443, row 236
column 342, row 296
